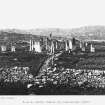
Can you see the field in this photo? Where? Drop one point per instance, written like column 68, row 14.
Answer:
column 76, row 73
column 23, row 59
column 17, row 70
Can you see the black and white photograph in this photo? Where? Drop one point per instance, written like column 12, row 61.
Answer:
column 52, row 48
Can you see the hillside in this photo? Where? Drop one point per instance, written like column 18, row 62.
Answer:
column 82, row 33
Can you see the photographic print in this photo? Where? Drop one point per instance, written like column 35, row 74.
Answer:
column 50, row 63
column 52, row 47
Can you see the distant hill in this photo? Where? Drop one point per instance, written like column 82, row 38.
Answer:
column 89, row 33
column 82, row 33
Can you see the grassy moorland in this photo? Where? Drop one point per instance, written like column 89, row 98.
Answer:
column 73, row 74
column 77, row 73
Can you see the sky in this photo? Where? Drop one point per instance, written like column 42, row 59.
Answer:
column 31, row 14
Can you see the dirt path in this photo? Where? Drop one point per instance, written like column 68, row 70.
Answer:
column 47, row 63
